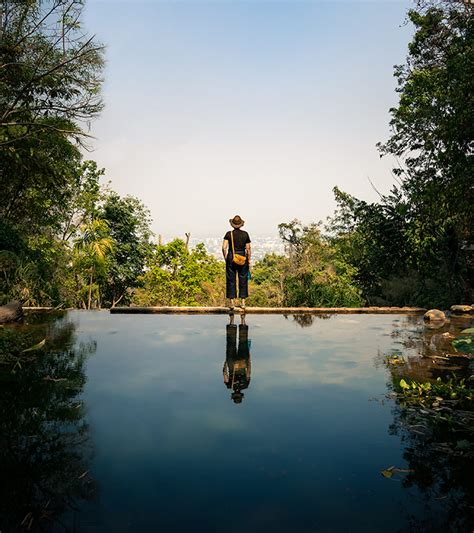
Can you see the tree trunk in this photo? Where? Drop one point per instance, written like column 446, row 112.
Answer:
column 90, row 289
column 115, row 302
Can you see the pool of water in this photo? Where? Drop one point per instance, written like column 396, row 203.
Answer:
column 186, row 423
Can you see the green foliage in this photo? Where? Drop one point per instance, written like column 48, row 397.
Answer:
column 92, row 249
column 129, row 225
column 177, row 276
column 83, row 201
column 50, row 84
column 433, row 124
column 267, row 287
column 37, row 176
column 318, row 276
column 412, row 247
column 50, row 87
column 93, row 232
column 464, row 344
column 51, row 71
column 313, row 274
column 433, row 394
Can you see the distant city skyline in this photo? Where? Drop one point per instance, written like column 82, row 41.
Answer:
column 261, row 245
column 260, row 109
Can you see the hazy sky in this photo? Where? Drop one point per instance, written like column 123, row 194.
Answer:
column 255, row 108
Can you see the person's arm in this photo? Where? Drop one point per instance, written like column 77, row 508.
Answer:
column 225, row 247
column 248, row 252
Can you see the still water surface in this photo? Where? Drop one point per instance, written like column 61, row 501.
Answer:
column 188, row 424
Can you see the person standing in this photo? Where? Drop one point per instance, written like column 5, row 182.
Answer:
column 237, row 253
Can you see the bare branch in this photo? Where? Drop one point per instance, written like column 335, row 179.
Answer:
column 59, row 66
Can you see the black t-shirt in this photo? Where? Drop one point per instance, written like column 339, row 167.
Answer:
column 241, row 238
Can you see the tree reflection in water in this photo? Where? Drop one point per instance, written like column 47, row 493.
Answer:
column 438, row 439
column 44, row 442
column 306, row 320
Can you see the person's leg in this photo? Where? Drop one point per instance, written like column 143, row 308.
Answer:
column 231, row 344
column 230, row 274
column 243, row 348
column 243, row 272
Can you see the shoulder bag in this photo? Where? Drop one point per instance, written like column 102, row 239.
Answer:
column 236, row 258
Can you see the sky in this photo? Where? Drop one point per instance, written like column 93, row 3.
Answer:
column 257, row 108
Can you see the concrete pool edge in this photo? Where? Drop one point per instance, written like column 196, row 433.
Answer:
column 268, row 310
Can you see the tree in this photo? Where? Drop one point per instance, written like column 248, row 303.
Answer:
column 50, row 87
column 93, row 247
column 413, row 246
column 371, row 237
column 313, row 274
column 177, row 276
column 37, row 176
column 268, row 281
column 433, row 132
column 50, row 79
column 83, row 202
column 50, row 70
column 129, row 225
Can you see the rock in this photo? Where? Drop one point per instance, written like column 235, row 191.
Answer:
column 434, row 315
column 11, row 312
column 462, row 309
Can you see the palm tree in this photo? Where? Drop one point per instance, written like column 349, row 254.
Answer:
column 95, row 243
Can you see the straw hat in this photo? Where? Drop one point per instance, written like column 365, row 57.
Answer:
column 237, row 396
column 236, row 222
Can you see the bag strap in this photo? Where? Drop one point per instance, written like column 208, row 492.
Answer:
column 232, row 239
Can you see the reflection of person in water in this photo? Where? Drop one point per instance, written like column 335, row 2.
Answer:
column 237, row 366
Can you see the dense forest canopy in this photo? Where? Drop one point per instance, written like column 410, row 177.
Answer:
column 67, row 239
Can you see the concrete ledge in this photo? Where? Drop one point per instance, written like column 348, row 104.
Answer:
column 38, row 309
column 270, row 310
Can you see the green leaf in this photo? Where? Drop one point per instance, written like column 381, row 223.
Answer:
column 404, row 384
column 464, row 344
column 35, row 347
column 468, row 331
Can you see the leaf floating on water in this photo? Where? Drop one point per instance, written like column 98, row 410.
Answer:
column 35, row 347
column 392, row 470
